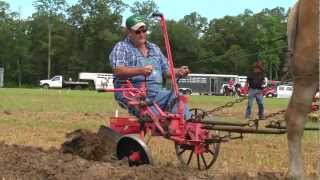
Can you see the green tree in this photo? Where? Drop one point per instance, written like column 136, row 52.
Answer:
column 145, row 9
column 22, row 44
column 49, row 8
column 6, row 39
column 255, row 36
column 66, row 42
column 184, row 43
column 272, row 29
column 14, row 51
column 96, row 28
column 197, row 23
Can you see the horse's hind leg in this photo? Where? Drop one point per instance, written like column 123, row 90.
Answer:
column 299, row 106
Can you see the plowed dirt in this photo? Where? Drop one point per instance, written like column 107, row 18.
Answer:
column 88, row 156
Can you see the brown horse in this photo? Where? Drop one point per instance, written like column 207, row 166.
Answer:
column 303, row 39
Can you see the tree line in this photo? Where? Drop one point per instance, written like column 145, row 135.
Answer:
column 67, row 39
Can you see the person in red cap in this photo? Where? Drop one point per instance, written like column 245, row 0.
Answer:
column 255, row 82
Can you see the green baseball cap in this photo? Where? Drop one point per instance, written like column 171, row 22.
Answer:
column 134, row 22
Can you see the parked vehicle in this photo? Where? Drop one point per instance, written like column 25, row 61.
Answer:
column 284, row 91
column 101, row 81
column 269, row 91
column 59, row 82
column 207, row 84
column 187, row 91
column 229, row 90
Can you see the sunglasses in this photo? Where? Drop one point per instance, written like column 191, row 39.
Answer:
column 141, row 31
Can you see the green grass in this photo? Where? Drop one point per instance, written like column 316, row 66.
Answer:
column 53, row 109
column 214, row 101
column 39, row 100
column 58, row 104
column 41, row 118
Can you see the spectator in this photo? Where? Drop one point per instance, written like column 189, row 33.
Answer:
column 255, row 82
column 231, row 87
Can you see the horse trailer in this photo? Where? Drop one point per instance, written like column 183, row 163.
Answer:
column 208, row 84
column 1, row 77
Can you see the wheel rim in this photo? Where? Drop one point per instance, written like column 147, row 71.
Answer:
column 77, row 87
column 186, row 153
column 187, row 156
column 132, row 144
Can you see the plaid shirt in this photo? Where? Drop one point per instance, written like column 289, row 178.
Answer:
column 125, row 53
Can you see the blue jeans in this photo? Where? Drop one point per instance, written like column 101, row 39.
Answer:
column 164, row 98
column 255, row 94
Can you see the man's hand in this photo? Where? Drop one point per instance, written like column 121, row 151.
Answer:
column 147, row 70
column 183, row 71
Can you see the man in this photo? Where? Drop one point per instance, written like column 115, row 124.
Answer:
column 231, row 88
column 136, row 58
column 255, row 82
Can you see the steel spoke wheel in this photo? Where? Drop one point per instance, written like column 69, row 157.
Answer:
column 187, row 156
column 186, row 153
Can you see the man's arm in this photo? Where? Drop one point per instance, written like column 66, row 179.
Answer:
column 183, row 71
column 119, row 61
column 126, row 72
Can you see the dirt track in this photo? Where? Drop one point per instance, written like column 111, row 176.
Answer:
column 22, row 162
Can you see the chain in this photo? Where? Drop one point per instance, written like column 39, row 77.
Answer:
column 275, row 114
column 237, row 101
column 255, row 122
column 227, row 105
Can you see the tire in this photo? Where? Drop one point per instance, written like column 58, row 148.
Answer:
column 188, row 92
column 45, row 86
column 78, row 87
column 269, row 95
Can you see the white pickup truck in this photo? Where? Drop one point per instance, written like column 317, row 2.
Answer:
column 59, row 82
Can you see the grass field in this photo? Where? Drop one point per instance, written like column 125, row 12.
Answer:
column 41, row 118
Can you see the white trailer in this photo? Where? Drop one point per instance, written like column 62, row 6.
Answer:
column 1, row 76
column 101, row 80
column 207, row 84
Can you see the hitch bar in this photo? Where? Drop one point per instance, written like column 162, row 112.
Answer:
column 284, row 127
column 248, row 130
column 210, row 122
